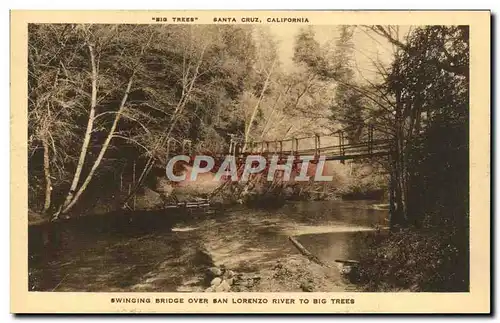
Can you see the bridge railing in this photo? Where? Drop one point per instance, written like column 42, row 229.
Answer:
column 333, row 145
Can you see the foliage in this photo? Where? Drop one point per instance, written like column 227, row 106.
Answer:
column 437, row 142
column 363, row 180
column 430, row 250
column 349, row 102
column 430, row 260
column 78, row 76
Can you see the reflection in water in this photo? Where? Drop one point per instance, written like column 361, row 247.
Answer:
column 158, row 252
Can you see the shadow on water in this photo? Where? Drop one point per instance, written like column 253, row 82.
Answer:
column 100, row 251
column 159, row 251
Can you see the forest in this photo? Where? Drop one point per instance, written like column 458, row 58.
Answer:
column 107, row 104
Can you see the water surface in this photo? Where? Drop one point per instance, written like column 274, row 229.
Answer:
column 169, row 252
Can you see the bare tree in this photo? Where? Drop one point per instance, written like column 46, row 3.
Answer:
column 97, row 41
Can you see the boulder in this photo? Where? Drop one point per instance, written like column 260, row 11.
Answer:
column 216, row 281
column 223, row 287
column 307, row 286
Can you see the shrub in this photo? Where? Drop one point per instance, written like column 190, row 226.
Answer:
column 427, row 260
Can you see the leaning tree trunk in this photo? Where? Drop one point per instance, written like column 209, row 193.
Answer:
column 88, row 133
column 104, row 147
column 72, row 198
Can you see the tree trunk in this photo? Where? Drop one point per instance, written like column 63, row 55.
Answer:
column 133, row 181
column 398, row 169
column 306, row 252
column 46, row 170
column 88, row 132
column 104, row 147
column 256, row 108
column 392, row 206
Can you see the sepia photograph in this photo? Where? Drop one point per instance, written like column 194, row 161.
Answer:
column 265, row 154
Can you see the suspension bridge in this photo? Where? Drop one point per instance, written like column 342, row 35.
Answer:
column 331, row 146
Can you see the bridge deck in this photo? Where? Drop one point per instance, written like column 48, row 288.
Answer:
column 336, row 152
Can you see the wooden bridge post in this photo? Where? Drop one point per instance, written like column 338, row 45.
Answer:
column 341, row 145
column 370, row 138
column 316, row 145
column 296, row 145
column 232, row 144
column 340, row 142
column 236, row 149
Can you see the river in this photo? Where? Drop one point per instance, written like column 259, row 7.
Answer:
column 170, row 252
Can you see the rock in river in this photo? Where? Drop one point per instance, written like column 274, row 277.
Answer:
column 216, row 281
column 223, row 287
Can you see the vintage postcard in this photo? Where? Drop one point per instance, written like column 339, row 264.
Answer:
column 250, row 161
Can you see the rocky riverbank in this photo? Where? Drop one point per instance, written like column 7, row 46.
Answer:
column 294, row 273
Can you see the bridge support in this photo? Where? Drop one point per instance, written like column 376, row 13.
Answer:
column 317, row 146
column 231, row 143
column 237, row 149
column 341, row 146
column 370, row 138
